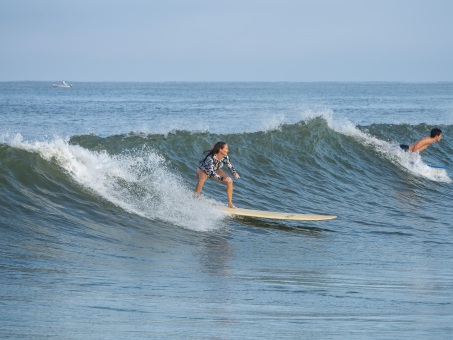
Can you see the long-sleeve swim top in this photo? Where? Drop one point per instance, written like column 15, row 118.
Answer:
column 210, row 165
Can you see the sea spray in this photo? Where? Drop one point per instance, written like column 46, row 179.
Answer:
column 137, row 181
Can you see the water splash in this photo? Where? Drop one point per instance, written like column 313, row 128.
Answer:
column 138, row 182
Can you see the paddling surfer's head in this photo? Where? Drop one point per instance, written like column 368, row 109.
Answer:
column 436, row 132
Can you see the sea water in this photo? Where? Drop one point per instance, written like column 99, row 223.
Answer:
column 101, row 236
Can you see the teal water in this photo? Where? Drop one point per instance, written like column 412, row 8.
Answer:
column 100, row 236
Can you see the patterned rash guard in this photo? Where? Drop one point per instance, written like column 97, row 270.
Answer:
column 210, row 165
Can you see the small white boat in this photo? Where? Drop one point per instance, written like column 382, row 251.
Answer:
column 62, row 84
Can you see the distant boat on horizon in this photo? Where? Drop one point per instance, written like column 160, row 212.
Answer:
column 62, row 84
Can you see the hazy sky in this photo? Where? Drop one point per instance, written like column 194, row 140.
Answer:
column 226, row 40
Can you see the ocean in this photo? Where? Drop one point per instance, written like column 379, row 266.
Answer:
column 101, row 236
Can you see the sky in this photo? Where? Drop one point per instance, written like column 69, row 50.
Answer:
column 226, row 40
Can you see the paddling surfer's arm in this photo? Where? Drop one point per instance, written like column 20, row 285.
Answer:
column 423, row 143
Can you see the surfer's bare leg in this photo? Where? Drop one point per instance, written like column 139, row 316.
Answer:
column 202, row 177
column 229, row 190
column 229, row 187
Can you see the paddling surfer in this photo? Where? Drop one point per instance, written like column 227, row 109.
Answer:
column 210, row 167
column 423, row 143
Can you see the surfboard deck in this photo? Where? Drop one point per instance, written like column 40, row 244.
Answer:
column 276, row 215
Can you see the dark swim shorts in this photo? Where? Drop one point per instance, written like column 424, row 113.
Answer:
column 404, row 147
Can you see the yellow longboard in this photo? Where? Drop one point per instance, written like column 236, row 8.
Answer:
column 276, row 215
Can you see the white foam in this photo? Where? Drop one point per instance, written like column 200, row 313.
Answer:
column 139, row 182
column 414, row 163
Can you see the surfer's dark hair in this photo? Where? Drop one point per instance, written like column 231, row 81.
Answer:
column 214, row 150
column 435, row 132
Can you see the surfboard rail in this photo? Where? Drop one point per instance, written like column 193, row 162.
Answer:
column 276, row 215
column 436, row 166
